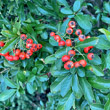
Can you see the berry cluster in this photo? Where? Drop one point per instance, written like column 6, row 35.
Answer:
column 68, row 42
column 18, row 54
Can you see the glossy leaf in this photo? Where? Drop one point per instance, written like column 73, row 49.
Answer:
column 83, row 21
column 77, row 90
column 88, row 42
column 97, row 70
column 87, row 90
column 7, row 94
column 66, row 84
column 106, row 32
column 99, row 83
column 76, row 6
column 66, row 102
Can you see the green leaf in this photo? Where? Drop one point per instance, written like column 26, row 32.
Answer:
column 42, row 78
column 66, row 102
column 63, row 2
column 103, row 43
column 63, row 27
column 81, row 72
column 88, row 42
column 76, row 6
column 47, row 47
column 56, row 85
column 66, row 85
column 53, row 42
column 76, row 87
column 97, row 70
column 7, row 94
column 107, row 6
column 44, row 35
column 66, row 11
column 107, row 105
column 58, row 63
column 10, row 83
column 106, row 32
column 63, row 51
column 30, row 89
column 107, row 59
column 58, row 73
column 83, row 21
column 106, row 19
column 87, row 90
column 7, row 34
column 9, row 45
column 97, row 107
column 50, row 59
column 99, row 83
column 21, row 76
column 96, row 60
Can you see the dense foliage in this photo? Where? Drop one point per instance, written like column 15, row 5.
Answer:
column 42, row 81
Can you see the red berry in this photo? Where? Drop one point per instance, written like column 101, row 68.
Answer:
column 65, row 58
column 82, row 38
column 2, row 43
column 15, row 58
column 78, row 32
column 61, row 43
column 39, row 46
column 27, row 56
column 52, row 34
column 69, row 30
column 71, row 53
column 1, row 54
column 29, row 41
column 68, row 65
column 82, row 63
column 6, row 54
column 77, row 64
column 86, row 49
column 23, row 36
column 17, row 52
column 28, row 46
column 9, row 58
column 90, row 56
column 29, row 52
column 22, row 56
column 91, row 47
column 33, row 49
column 68, row 42
column 57, row 38
column 88, row 37
column 72, row 24
column 34, row 45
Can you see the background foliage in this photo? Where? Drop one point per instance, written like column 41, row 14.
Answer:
column 41, row 82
